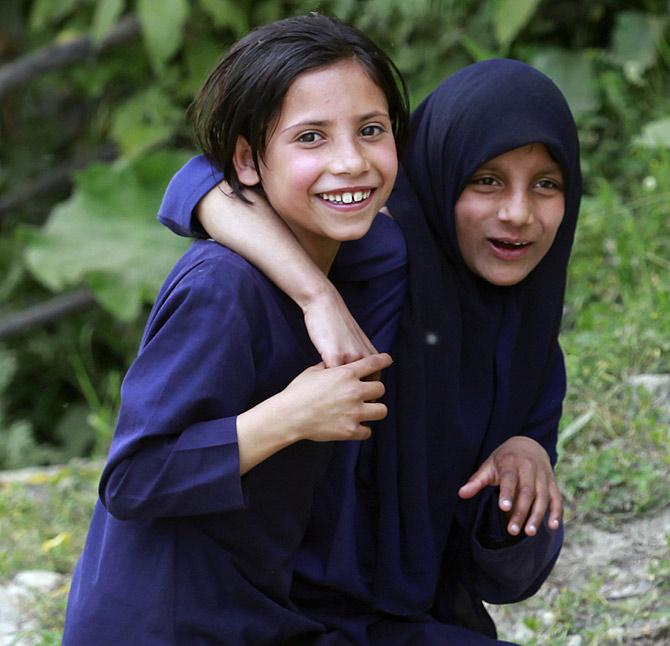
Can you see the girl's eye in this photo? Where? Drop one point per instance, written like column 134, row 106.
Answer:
column 310, row 137
column 485, row 180
column 549, row 184
column 371, row 131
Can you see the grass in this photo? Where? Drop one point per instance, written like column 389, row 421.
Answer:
column 617, row 462
column 585, row 614
column 43, row 523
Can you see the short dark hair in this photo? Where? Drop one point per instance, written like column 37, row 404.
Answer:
column 244, row 94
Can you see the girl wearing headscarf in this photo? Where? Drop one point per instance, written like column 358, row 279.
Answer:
column 393, row 554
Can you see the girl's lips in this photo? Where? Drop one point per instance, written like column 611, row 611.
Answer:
column 508, row 250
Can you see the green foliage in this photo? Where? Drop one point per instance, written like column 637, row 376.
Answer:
column 162, row 29
column 635, row 42
column 573, row 72
column 105, row 16
column 107, row 237
column 510, row 17
column 655, row 134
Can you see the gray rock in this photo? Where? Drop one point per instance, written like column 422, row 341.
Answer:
column 658, row 386
column 38, row 580
column 17, row 627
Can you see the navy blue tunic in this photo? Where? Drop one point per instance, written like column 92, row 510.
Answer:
column 334, row 581
column 181, row 550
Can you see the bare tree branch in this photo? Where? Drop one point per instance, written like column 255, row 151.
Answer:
column 51, row 310
column 53, row 57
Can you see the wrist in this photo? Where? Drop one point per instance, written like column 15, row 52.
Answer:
column 269, row 425
column 317, row 292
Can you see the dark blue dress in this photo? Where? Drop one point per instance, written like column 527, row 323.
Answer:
column 337, row 579
column 181, row 550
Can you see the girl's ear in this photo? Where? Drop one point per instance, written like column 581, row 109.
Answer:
column 244, row 163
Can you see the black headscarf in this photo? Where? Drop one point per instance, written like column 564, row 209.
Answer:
column 476, row 363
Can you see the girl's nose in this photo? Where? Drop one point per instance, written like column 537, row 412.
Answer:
column 517, row 211
column 349, row 159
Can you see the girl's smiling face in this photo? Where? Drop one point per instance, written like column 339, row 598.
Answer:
column 330, row 161
column 508, row 214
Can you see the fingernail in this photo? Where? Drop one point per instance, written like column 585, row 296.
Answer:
column 514, row 528
column 531, row 529
column 506, row 504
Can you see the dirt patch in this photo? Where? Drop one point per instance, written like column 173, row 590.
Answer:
column 612, row 578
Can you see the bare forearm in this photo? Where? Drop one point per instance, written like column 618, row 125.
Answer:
column 262, row 431
column 262, row 237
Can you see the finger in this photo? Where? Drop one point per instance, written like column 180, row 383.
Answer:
column 369, row 365
column 523, row 498
column 373, row 411
column 360, row 347
column 508, row 485
column 471, row 489
column 555, row 506
column 483, row 477
column 361, row 432
column 375, row 376
column 340, row 358
column 364, row 433
column 372, row 390
column 537, row 511
column 520, row 508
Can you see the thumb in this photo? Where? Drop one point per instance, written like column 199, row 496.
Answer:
column 481, row 478
column 370, row 365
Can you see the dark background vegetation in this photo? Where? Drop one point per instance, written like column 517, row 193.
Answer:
column 92, row 126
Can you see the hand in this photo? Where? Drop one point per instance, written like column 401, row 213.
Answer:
column 521, row 467
column 333, row 330
column 328, row 404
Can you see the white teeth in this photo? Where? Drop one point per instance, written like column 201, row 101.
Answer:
column 345, row 198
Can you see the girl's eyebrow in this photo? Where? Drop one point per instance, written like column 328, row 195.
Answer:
column 322, row 123
column 551, row 167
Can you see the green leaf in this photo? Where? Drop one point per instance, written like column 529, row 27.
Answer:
column 225, row 13
column 76, row 436
column 7, row 368
column 655, row 134
column 145, row 120
column 574, row 75
column 476, row 51
column 510, row 17
column 635, row 42
column 48, row 12
column 200, row 56
column 265, row 11
column 162, row 26
column 106, row 235
column 106, row 14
